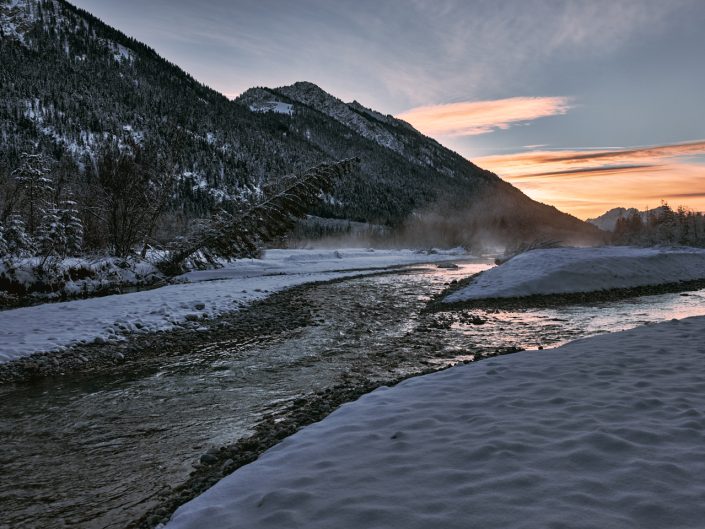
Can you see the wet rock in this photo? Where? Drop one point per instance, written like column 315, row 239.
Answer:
column 228, row 465
column 208, row 459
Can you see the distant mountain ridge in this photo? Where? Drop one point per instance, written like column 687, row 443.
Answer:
column 608, row 220
column 73, row 85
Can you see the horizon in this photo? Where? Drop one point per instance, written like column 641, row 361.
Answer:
column 586, row 107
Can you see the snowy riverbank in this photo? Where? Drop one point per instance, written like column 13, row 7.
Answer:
column 573, row 270
column 606, row 432
column 208, row 294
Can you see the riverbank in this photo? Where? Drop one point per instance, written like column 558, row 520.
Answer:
column 579, row 273
column 605, row 429
column 565, row 276
column 58, row 327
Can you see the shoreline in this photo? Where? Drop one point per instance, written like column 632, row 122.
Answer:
column 241, row 324
column 581, row 411
column 556, row 300
column 217, row 464
column 206, row 295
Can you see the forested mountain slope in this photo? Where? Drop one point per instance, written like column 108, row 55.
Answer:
column 73, row 87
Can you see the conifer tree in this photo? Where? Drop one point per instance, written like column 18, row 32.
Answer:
column 17, row 240
column 263, row 218
column 34, row 187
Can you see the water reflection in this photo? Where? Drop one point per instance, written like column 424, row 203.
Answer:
column 551, row 327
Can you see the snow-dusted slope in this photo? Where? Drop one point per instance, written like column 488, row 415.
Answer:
column 313, row 96
column 604, row 433
column 273, row 106
column 54, row 326
column 566, row 270
column 17, row 15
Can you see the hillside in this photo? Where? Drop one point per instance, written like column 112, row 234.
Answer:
column 73, row 86
column 608, row 220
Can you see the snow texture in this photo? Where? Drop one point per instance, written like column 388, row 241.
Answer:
column 273, row 106
column 566, row 270
column 94, row 274
column 313, row 96
column 603, row 433
column 54, row 326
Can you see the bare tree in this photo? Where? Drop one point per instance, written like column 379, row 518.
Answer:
column 130, row 198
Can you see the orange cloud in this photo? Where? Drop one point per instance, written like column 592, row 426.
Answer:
column 480, row 117
column 587, row 183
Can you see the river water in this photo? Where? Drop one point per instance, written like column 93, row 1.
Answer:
column 96, row 451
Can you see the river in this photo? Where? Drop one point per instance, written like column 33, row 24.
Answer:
column 96, row 451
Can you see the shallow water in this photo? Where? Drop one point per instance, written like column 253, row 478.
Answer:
column 96, row 451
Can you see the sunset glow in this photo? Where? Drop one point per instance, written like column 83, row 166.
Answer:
column 587, row 183
column 470, row 118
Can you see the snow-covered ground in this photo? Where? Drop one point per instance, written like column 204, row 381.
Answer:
column 606, row 432
column 566, row 270
column 273, row 106
column 55, row 326
column 73, row 276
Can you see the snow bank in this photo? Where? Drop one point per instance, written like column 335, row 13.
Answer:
column 72, row 277
column 209, row 293
column 606, row 432
column 566, row 270
column 321, row 260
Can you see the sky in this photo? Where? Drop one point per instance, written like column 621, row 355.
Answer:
column 586, row 105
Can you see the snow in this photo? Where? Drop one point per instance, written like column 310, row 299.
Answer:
column 273, row 106
column 566, row 270
column 73, row 276
column 313, row 96
column 200, row 182
column 121, row 53
column 606, row 432
column 54, row 326
column 318, row 261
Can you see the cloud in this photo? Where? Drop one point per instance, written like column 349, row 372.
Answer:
column 578, row 172
column 470, row 118
column 564, row 162
column 586, row 183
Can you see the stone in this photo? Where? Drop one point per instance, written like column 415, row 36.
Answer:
column 208, row 459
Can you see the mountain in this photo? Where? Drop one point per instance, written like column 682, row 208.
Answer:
column 73, row 86
column 608, row 220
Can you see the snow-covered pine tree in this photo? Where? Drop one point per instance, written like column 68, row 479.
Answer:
column 72, row 226
column 19, row 242
column 269, row 215
column 4, row 247
column 35, row 188
column 61, row 231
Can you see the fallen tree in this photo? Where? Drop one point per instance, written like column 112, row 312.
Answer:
column 270, row 214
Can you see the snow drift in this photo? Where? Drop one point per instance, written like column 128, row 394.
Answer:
column 568, row 270
column 606, row 432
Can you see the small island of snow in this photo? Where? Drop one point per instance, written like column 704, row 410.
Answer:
column 572, row 270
